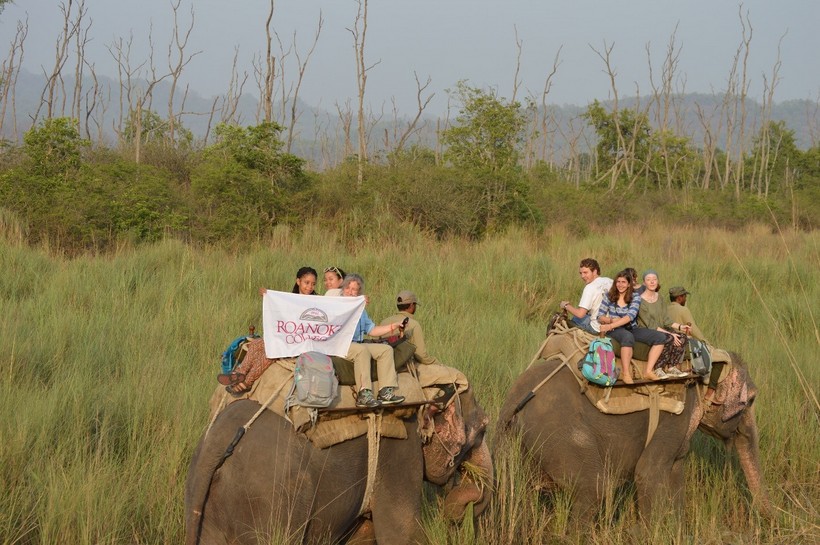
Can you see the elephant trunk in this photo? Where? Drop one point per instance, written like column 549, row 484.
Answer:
column 475, row 484
column 746, row 444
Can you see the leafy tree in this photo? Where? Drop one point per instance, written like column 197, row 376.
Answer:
column 412, row 155
column 623, row 139
column 258, row 148
column 154, row 129
column 488, row 131
column 485, row 142
column 55, row 146
column 774, row 157
column 672, row 161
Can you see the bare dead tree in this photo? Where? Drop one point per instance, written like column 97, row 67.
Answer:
column 236, row 86
column 812, row 111
column 543, row 120
column 345, row 113
column 269, row 75
column 620, row 157
column 761, row 179
column 301, row 68
column 49, row 93
column 284, row 88
column 359, row 33
column 662, row 102
column 132, row 98
column 413, row 126
column 94, row 101
column 81, row 39
column 734, row 104
column 516, row 76
column 211, row 115
column 572, row 136
column 9, row 72
column 328, row 134
column 177, row 61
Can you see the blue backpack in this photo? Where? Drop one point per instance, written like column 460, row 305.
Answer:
column 598, row 366
column 235, row 353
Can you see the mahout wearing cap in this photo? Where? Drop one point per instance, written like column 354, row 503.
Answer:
column 406, row 297
column 677, row 291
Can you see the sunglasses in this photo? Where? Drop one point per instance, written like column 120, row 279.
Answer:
column 333, row 270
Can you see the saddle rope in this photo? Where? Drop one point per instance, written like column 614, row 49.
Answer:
column 374, row 425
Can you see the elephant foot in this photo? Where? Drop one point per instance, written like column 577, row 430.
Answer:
column 365, row 534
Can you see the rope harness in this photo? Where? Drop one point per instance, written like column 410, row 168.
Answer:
column 374, row 423
column 579, row 339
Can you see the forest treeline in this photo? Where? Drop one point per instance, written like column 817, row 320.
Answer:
column 493, row 163
column 58, row 187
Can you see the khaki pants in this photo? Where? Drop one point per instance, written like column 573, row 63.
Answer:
column 360, row 354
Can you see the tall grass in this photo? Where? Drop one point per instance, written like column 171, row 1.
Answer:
column 107, row 363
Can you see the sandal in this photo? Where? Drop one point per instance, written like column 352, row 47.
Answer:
column 229, row 379
column 238, row 389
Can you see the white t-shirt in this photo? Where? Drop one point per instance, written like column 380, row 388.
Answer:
column 591, row 299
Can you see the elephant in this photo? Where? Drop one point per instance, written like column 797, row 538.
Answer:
column 277, row 487
column 575, row 446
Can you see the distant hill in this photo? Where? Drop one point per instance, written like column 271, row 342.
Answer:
column 319, row 134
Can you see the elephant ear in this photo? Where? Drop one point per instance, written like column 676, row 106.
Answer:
column 737, row 392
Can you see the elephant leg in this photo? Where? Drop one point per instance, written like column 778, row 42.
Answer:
column 475, row 485
column 659, row 480
column 396, row 500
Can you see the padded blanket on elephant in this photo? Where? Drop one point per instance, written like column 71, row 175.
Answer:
column 271, row 389
column 571, row 345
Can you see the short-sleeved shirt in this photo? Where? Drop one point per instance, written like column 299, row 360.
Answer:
column 415, row 335
column 364, row 327
column 682, row 315
column 591, row 298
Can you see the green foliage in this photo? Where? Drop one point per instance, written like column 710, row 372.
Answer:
column 485, row 142
column 258, row 148
column 488, row 131
column 232, row 201
column 153, row 129
column 55, row 146
column 622, row 135
column 673, row 162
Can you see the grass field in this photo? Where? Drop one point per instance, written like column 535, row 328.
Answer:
column 108, row 361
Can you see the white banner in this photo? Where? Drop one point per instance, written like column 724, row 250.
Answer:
column 294, row 323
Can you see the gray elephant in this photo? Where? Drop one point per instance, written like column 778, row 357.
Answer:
column 575, row 446
column 277, row 487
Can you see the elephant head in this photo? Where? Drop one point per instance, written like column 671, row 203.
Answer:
column 457, row 456
column 733, row 422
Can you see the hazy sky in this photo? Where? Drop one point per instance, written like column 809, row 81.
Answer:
column 450, row 40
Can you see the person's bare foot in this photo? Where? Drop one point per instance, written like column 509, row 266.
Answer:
column 651, row 376
column 238, row 389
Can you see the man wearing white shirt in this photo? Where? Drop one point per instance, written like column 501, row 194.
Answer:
column 585, row 315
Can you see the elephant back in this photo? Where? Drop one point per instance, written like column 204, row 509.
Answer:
column 570, row 345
